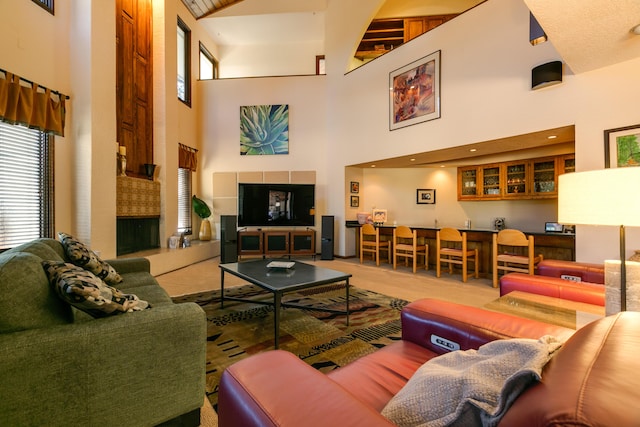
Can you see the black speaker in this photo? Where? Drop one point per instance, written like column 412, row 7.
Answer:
column 546, row 75
column 228, row 239
column 326, row 246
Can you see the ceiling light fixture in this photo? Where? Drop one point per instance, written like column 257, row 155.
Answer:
column 473, row 150
column 552, row 137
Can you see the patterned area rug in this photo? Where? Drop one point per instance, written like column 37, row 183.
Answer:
column 321, row 339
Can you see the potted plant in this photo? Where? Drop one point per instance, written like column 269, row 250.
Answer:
column 202, row 210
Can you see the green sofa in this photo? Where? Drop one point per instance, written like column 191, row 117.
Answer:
column 61, row 367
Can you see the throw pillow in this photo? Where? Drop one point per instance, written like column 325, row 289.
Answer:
column 80, row 255
column 88, row 293
column 472, row 387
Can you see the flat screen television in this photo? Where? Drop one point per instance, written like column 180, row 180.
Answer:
column 284, row 205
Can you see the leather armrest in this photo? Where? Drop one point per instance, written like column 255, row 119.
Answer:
column 276, row 388
column 443, row 326
column 591, row 273
column 590, row 293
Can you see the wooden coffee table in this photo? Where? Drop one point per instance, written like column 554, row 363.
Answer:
column 557, row 311
column 281, row 281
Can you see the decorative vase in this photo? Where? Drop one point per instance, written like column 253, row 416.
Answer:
column 205, row 230
column 149, row 170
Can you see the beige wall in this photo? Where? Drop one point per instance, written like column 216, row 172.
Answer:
column 74, row 52
column 335, row 120
column 485, row 95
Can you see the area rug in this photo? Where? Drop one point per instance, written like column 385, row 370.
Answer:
column 321, row 339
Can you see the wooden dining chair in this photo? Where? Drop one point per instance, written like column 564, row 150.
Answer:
column 405, row 244
column 513, row 251
column 370, row 242
column 451, row 247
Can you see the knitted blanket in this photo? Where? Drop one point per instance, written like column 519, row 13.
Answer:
column 472, row 387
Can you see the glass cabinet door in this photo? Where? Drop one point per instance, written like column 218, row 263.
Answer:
column 544, row 177
column 469, row 182
column 516, row 179
column 568, row 164
column 491, row 181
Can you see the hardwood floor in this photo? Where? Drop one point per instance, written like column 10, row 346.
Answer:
column 401, row 283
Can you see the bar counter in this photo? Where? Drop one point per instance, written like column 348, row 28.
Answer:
column 551, row 245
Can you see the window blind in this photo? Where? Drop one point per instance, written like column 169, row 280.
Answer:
column 26, row 185
column 184, row 200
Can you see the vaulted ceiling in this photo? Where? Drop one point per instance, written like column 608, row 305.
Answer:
column 203, row 8
column 588, row 34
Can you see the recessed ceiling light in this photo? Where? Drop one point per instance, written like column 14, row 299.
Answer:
column 373, row 166
column 473, row 150
column 412, row 160
column 552, row 137
column 442, row 166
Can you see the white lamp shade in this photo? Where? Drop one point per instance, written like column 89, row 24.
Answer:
column 600, row 197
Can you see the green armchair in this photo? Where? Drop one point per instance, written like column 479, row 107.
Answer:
column 62, row 367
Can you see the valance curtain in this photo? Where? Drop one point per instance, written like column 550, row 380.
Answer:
column 187, row 157
column 28, row 106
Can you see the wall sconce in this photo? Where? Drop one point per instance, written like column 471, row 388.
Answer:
column 548, row 74
column 536, row 33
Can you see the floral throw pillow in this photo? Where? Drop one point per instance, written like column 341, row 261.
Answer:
column 83, row 257
column 88, row 293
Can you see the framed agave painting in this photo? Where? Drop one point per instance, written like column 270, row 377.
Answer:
column 264, row 130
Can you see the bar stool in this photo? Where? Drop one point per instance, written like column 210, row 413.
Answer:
column 405, row 244
column 523, row 261
column 370, row 242
column 451, row 247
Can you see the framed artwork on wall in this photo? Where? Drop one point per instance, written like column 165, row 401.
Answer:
column 426, row 196
column 622, row 147
column 264, row 130
column 355, row 201
column 414, row 92
column 355, row 187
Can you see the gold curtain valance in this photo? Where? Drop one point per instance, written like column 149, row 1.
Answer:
column 187, row 157
column 28, row 106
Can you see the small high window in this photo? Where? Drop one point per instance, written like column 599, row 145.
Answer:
column 45, row 4
column 184, row 62
column 208, row 64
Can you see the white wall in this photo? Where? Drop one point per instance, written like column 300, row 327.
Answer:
column 485, row 95
column 268, row 60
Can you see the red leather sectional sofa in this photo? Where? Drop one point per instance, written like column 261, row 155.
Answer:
column 554, row 280
column 592, row 380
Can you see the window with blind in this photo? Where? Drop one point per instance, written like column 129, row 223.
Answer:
column 26, row 185
column 184, row 200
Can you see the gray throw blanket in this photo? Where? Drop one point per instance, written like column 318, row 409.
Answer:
column 470, row 388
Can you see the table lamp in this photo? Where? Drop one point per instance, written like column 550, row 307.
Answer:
column 602, row 197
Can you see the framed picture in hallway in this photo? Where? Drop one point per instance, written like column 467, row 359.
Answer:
column 622, row 147
column 414, row 92
column 355, row 201
column 426, row 196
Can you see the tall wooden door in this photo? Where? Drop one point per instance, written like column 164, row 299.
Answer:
column 134, row 82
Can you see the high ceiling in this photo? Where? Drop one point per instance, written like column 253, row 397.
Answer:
column 588, row 34
column 203, row 8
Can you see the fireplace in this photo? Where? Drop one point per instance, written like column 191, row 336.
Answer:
column 138, row 215
column 137, row 234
